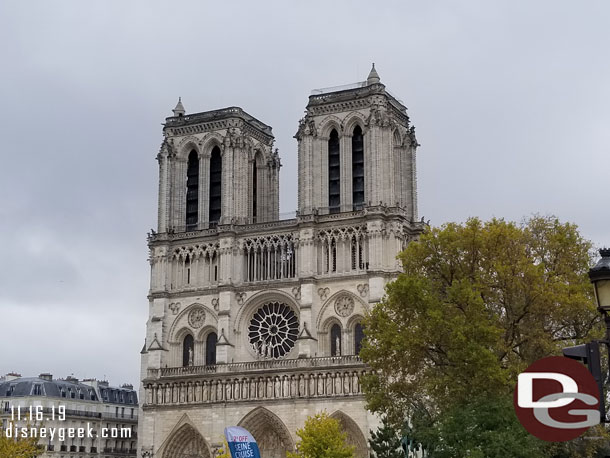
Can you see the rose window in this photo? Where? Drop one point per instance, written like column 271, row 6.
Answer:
column 273, row 330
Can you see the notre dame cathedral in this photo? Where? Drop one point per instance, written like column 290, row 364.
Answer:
column 256, row 321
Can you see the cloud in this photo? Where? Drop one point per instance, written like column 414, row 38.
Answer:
column 509, row 101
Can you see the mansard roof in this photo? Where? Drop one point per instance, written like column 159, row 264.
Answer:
column 25, row 386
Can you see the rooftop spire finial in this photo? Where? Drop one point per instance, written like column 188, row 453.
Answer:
column 373, row 76
column 179, row 110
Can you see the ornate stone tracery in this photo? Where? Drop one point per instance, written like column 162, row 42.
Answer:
column 273, row 330
column 196, row 317
column 344, row 306
column 270, row 257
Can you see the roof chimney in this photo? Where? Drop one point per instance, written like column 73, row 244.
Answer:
column 46, row 376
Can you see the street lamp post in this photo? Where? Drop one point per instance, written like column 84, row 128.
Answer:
column 600, row 277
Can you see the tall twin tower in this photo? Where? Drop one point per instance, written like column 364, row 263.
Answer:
column 256, row 321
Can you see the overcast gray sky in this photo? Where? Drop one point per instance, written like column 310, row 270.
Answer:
column 511, row 101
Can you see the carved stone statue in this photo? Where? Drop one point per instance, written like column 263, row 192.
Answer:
column 190, row 356
column 337, row 346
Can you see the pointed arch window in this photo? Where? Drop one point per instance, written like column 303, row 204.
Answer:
column 335, row 340
column 188, row 351
column 210, row 349
column 215, row 186
column 357, row 168
column 254, row 191
column 334, row 173
column 192, row 191
column 358, row 338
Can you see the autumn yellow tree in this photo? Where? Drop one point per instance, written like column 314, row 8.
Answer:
column 18, row 448
column 322, row 437
column 224, row 452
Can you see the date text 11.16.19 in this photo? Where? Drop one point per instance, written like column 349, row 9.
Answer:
column 37, row 413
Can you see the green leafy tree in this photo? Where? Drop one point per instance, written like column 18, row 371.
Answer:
column 480, row 428
column 476, row 304
column 18, row 448
column 386, row 441
column 322, row 437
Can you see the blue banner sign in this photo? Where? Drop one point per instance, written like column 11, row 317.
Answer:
column 241, row 443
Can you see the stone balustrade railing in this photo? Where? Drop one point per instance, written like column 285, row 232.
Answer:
column 261, row 365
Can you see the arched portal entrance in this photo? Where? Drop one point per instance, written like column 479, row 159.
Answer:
column 354, row 434
column 272, row 436
column 186, row 442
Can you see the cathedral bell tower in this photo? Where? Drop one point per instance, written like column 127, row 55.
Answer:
column 217, row 167
column 356, row 149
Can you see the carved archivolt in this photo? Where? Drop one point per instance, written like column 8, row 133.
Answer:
column 270, row 432
column 355, row 118
column 187, row 144
column 194, row 316
column 342, row 304
column 186, row 442
column 328, row 124
column 355, row 436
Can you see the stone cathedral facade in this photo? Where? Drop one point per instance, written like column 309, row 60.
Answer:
column 257, row 321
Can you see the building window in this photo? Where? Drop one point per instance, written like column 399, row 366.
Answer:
column 334, row 173
column 210, row 348
column 188, row 347
column 273, row 330
column 192, row 191
column 335, row 340
column 254, row 192
column 215, row 186
column 187, row 267
column 37, row 390
column 357, row 168
column 358, row 338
